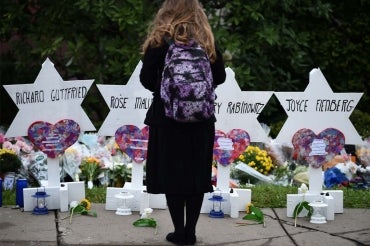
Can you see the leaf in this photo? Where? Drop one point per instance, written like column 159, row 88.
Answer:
column 308, row 208
column 145, row 222
column 255, row 215
column 299, row 207
column 249, row 217
column 257, row 212
column 79, row 209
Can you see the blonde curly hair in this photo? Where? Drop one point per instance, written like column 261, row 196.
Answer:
column 181, row 21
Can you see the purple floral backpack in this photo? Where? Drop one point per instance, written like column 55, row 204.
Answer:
column 187, row 84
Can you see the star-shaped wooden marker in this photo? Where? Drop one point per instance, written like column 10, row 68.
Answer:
column 49, row 99
column 318, row 108
column 128, row 104
column 237, row 109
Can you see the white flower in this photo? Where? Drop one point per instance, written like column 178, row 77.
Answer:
column 304, row 188
column 73, row 204
column 146, row 213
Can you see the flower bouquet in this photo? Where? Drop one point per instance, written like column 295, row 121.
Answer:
column 71, row 161
column 90, row 169
column 257, row 164
column 363, row 153
column 19, row 145
column 83, row 207
column 258, row 159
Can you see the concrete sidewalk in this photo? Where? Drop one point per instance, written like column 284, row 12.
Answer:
column 23, row 228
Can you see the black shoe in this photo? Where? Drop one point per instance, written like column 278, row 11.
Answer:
column 190, row 240
column 175, row 239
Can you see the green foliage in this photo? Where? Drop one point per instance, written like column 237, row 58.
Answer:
column 361, row 121
column 9, row 161
column 145, row 222
column 356, row 198
column 8, row 197
column 276, row 195
column 85, row 39
column 96, row 194
column 119, row 173
column 352, row 198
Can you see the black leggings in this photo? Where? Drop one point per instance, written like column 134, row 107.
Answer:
column 176, row 204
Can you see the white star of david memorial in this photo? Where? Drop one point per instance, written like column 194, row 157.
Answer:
column 128, row 104
column 237, row 109
column 50, row 99
column 318, row 108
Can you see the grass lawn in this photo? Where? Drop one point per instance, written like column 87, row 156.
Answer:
column 263, row 196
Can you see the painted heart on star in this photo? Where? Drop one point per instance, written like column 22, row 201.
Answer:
column 228, row 147
column 332, row 140
column 53, row 139
column 133, row 141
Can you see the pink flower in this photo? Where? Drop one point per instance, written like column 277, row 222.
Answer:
column 7, row 145
column 16, row 149
column 20, row 143
column 23, row 146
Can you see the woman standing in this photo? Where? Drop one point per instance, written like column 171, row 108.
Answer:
column 179, row 159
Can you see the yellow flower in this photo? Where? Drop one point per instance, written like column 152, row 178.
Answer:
column 259, row 159
column 90, row 167
column 86, row 203
column 7, row 151
column 247, row 208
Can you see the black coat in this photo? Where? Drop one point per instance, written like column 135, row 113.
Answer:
column 179, row 159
